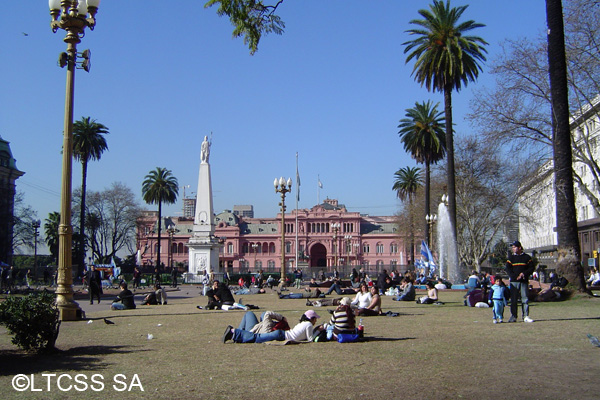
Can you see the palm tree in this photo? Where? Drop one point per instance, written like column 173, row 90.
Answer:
column 88, row 144
column 445, row 60
column 160, row 187
column 569, row 250
column 422, row 134
column 406, row 183
column 51, row 232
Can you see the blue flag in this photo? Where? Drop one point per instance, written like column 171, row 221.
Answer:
column 428, row 256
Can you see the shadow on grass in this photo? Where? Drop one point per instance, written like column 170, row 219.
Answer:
column 566, row 319
column 82, row 358
column 385, row 339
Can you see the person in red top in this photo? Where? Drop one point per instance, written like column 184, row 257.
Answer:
column 519, row 267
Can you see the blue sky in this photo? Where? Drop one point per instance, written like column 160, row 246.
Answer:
column 331, row 88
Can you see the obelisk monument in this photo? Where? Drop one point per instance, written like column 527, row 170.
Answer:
column 203, row 245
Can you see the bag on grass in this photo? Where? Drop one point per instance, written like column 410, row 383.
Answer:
column 347, row 337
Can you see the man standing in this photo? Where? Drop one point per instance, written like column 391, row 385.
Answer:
column 174, row 277
column 519, row 267
column 95, row 284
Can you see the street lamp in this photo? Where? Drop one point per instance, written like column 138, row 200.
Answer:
column 73, row 17
column 336, row 227
column 283, row 187
column 35, row 225
column 171, row 231
column 348, row 239
column 254, row 247
column 431, row 219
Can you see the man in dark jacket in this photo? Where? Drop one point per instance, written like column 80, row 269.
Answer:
column 218, row 296
column 519, row 267
column 95, row 282
column 124, row 300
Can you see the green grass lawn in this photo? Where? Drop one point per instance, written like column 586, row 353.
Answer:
column 428, row 352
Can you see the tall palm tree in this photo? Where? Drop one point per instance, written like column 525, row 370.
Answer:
column 445, row 59
column 422, row 134
column 88, row 144
column 159, row 187
column 407, row 181
column 569, row 250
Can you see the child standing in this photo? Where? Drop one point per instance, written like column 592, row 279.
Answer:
column 498, row 296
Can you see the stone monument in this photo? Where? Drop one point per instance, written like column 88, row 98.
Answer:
column 203, row 245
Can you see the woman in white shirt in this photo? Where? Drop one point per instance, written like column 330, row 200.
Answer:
column 363, row 298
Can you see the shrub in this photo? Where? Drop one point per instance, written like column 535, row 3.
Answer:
column 32, row 319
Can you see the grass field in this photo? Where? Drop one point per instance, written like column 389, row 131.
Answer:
column 428, row 352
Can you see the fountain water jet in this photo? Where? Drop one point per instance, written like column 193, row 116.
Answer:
column 447, row 250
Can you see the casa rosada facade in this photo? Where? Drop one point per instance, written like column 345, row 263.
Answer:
column 327, row 236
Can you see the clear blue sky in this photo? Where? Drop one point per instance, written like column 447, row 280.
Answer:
column 331, row 88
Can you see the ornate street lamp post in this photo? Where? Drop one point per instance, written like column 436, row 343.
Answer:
column 73, row 17
column 348, row 239
column 35, row 225
column 431, row 219
column 254, row 247
column 336, row 228
column 283, row 187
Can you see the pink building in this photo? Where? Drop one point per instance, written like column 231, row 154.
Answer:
column 327, row 235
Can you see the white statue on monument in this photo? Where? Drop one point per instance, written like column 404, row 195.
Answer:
column 205, row 150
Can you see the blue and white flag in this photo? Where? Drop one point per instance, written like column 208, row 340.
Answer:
column 428, row 256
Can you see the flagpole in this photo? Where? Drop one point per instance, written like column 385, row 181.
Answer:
column 297, row 199
column 318, row 189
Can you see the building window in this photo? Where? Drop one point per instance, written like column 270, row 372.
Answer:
column 379, row 248
column 257, row 265
column 230, row 248
column 393, row 264
column 366, row 248
column 288, row 247
column 245, row 248
column 272, row 248
column 393, row 248
column 271, row 265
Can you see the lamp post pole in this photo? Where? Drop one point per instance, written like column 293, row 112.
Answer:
column 283, row 187
column 73, row 17
column 348, row 239
column 336, row 227
column 171, row 232
column 431, row 219
column 254, row 247
column 35, row 225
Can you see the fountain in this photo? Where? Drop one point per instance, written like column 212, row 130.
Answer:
column 447, row 250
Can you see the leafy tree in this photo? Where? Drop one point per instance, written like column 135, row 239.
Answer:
column 445, row 59
column 423, row 137
column 569, row 252
column 407, row 181
column 88, row 144
column 159, row 187
column 111, row 220
column 251, row 19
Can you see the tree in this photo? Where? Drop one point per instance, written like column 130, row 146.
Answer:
column 159, row 187
column 569, row 252
column 423, row 137
column 251, row 19
column 407, row 181
column 24, row 219
column 51, row 232
column 445, row 59
column 111, row 220
column 88, row 144
column 487, row 184
column 518, row 108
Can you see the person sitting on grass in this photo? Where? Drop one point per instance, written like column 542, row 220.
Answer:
column 408, row 290
column 432, row 294
column 303, row 331
column 161, row 294
column 219, row 296
column 343, row 319
column 363, row 297
column 374, row 307
column 124, row 300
